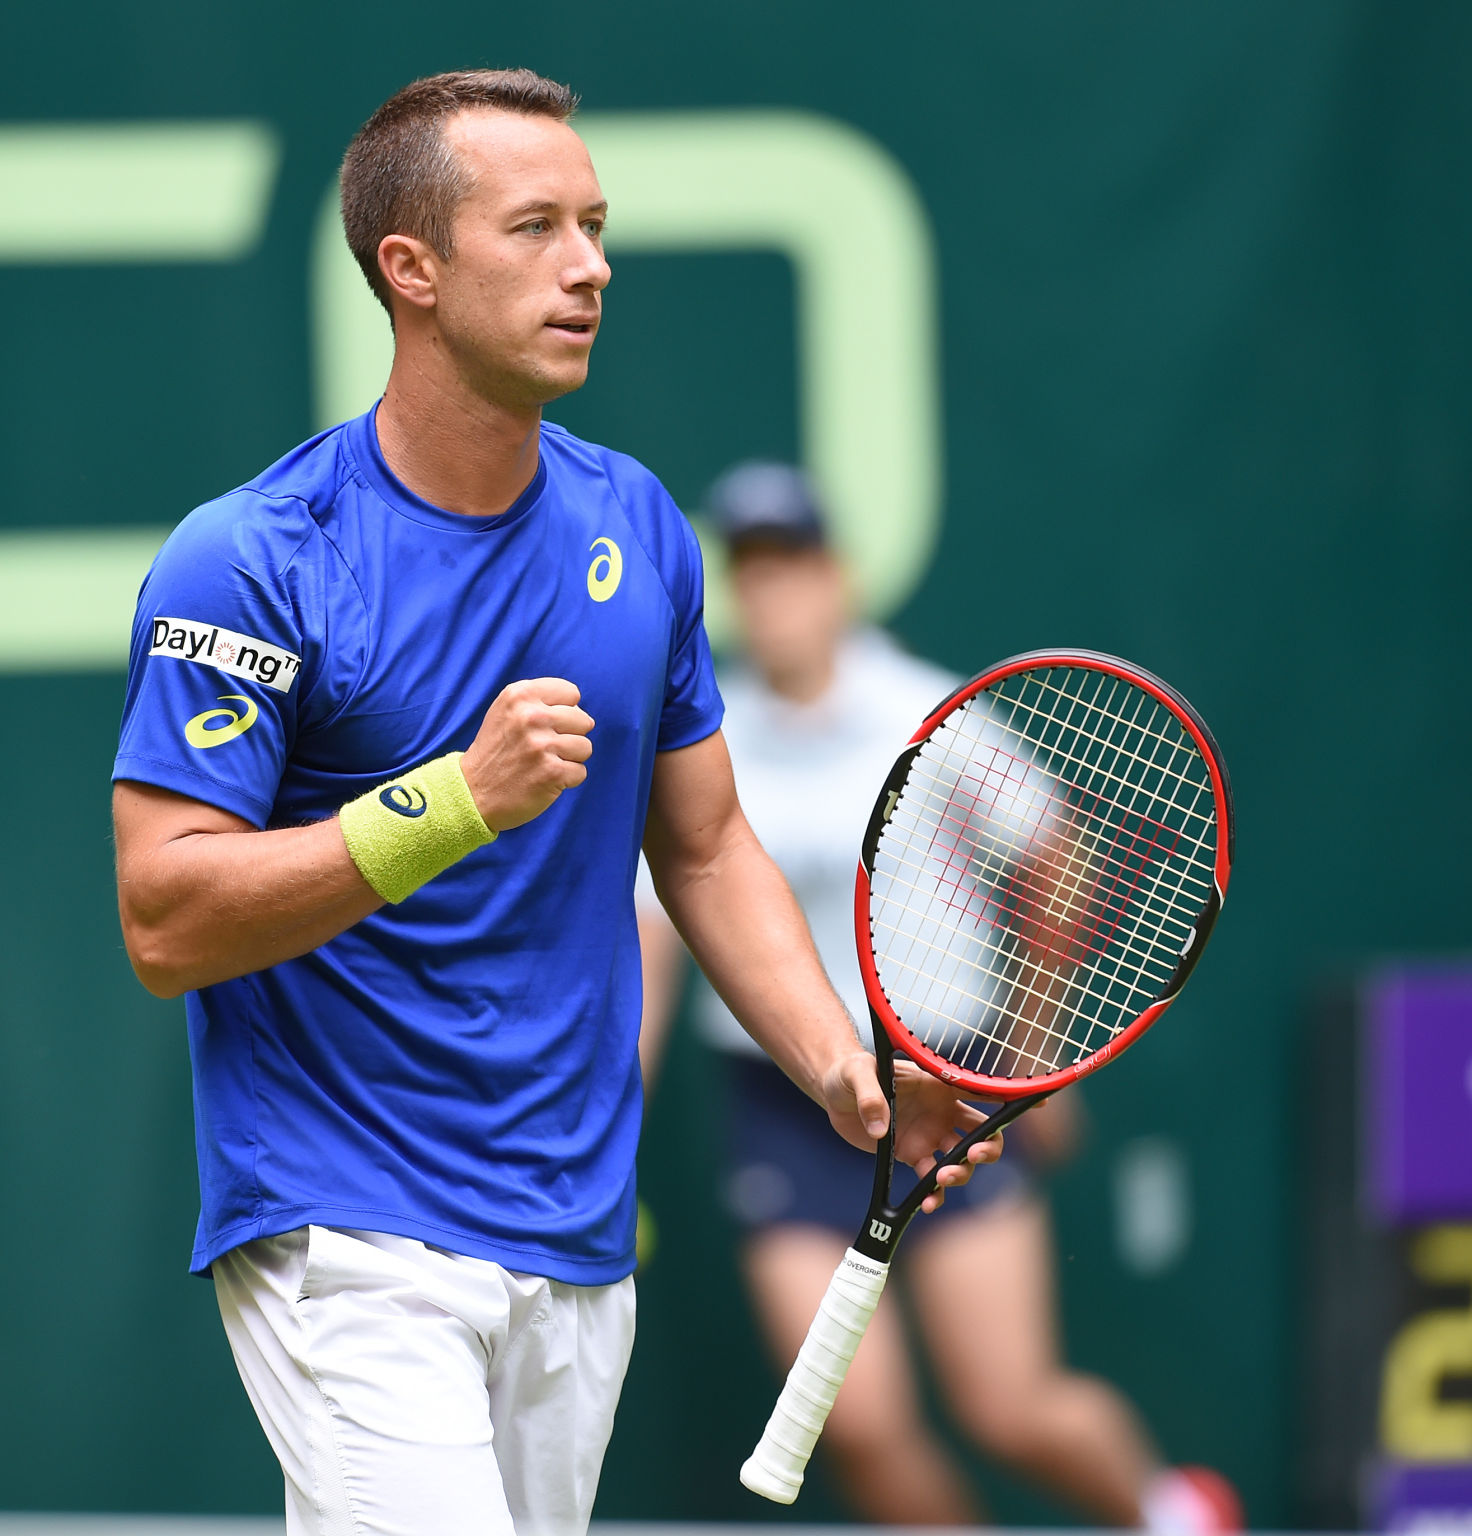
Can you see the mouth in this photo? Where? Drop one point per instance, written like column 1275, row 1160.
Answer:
column 583, row 327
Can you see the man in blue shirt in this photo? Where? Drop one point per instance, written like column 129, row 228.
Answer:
column 398, row 713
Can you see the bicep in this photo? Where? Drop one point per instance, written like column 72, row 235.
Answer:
column 694, row 813
column 146, row 819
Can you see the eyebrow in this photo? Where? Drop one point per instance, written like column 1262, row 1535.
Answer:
column 550, row 207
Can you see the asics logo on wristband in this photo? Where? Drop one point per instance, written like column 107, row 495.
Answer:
column 202, row 733
column 606, row 571
column 401, row 799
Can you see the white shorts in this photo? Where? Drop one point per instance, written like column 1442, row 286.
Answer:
column 410, row 1391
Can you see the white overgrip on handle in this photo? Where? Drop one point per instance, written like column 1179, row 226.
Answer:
column 775, row 1468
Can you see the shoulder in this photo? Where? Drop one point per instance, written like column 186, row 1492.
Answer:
column 659, row 527
column 882, row 661
column 268, row 532
column 267, row 525
column 635, row 487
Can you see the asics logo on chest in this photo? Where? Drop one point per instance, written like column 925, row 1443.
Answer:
column 606, row 571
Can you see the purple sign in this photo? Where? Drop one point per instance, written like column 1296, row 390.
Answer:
column 1417, row 1095
column 1423, row 1498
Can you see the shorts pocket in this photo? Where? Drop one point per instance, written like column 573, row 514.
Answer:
column 310, row 1258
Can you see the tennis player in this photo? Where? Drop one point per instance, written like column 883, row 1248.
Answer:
column 396, row 711
column 816, row 710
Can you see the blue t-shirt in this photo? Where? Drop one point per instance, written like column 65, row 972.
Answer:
column 461, row 1068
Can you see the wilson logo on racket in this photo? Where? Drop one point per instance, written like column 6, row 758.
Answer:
column 404, row 801
column 1064, row 852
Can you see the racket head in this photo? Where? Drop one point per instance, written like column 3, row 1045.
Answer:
column 1041, row 871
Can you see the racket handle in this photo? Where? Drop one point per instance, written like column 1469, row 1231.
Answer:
column 775, row 1468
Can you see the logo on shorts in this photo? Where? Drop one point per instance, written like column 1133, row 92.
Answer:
column 400, row 799
column 237, row 654
column 606, row 571
column 199, row 732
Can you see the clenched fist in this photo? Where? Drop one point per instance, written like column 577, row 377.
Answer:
column 532, row 744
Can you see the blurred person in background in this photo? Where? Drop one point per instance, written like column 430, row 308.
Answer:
column 815, row 714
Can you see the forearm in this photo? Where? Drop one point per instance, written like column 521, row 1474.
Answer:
column 208, row 906
column 742, row 924
column 204, row 897
column 744, row 927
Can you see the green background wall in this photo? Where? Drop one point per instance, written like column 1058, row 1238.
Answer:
column 1206, row 353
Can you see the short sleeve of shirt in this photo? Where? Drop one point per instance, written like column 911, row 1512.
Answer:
column 225, row 644
column 692, row 707
column 692, row 700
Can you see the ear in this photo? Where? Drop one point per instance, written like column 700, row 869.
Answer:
column 410, row 267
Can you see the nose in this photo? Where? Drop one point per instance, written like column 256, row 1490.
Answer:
column 588, row 266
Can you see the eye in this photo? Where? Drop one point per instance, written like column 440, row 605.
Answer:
column 593, row 228
column 535, row 227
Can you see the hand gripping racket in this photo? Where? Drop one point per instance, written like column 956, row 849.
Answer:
column 1037, row 880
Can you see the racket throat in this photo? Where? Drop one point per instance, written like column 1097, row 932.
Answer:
column 884, row 1221
column 886, row 1218
column 999, row 1118
column 881, row 1231
column 883, row 1225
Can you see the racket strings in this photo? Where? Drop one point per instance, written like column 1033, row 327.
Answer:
column 1022, row 876
column 1086, row 770
column 988, row 870
column 1145, row 956
column 1074, row 918
column 1034, row 1021
column 1029, row 1006
column 1034, row 1055
column 1042, row 870
column 1111, row 895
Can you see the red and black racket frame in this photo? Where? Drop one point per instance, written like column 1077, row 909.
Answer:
column 885, row 1221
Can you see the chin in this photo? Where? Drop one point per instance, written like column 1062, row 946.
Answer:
column 553, row 386
column 524, row 383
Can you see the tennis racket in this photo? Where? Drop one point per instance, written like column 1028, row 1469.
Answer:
column 1038, row 878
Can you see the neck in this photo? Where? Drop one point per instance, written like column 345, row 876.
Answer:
column 801, row 682
column 449, row 445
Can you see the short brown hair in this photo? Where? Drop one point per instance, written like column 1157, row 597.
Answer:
column 399, row 177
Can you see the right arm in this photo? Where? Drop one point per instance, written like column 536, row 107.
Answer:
column 204, row 897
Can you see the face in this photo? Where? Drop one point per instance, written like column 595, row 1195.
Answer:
column 791, row 606
column 519, row 301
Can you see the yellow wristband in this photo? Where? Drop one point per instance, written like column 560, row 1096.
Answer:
column 408, row 830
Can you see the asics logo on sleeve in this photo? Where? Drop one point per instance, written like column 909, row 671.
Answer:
column 606, row 571
column 403, row 800
column 199, row 732
column 240, row 655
